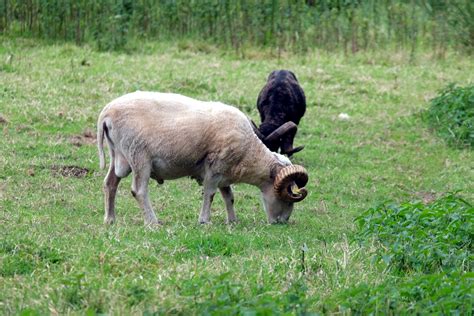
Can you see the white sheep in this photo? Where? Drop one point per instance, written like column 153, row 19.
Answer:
column 167, row 136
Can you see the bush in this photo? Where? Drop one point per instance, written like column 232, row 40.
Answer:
column 445, row 294
column 451, row 114
column 424, row 238
column 430, row 250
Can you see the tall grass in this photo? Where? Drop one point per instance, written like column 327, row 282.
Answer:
column 298, row 25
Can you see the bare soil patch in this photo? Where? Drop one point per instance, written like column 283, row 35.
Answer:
column 3, row 119
column 69, row 171
column 88, row 137
column 427, row 197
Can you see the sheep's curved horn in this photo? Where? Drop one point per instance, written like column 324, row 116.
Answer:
column 280, row 131
column 256, row 130
column 289, row 183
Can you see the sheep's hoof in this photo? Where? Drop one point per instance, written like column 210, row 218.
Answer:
column 153, row 224
column 109, row 220
column 279, row 222
column 232, row 221
column 204, row 222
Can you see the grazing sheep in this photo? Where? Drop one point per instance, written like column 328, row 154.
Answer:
column 166, row 136
column 281, row 104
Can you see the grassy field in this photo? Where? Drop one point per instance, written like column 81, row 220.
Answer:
column 57, row 256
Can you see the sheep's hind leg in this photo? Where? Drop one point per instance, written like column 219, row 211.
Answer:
column 119, row 168
column 111, row 183
column 140, row 193
column 228, row 197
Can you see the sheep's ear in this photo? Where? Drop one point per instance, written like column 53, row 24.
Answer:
column 273, row 172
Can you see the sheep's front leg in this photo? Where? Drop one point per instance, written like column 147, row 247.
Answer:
column 210, row 188
column 140, row 193
column 228, row 197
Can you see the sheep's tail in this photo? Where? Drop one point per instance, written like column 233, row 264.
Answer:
column 101, row 129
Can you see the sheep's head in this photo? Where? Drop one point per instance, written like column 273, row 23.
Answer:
column 287, row 189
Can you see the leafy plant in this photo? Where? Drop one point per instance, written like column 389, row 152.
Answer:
column 448, row 294
column 426, row 238
column 451, row 114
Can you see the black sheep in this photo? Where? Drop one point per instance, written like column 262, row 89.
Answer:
column 281, row 104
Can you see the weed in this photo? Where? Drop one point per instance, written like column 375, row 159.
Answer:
column 430, row 249
column 426, row 238
column 29, row 312
column 451, row 115
column 137, row 294
column 15, row 265
column 445, row 293
column 223, row 295
column 24, row 256
column 73, row 291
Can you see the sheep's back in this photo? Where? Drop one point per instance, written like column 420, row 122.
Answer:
column 178, row 131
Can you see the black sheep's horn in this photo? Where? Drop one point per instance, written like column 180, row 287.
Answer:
column 256, row 130
column 280, row 131
column 292, row 151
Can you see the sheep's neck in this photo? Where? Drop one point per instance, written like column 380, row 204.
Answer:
column 255, row 167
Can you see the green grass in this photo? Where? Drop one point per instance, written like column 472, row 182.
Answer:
column 56, row 255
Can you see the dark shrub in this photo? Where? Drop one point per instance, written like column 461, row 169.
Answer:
column 451, row 114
